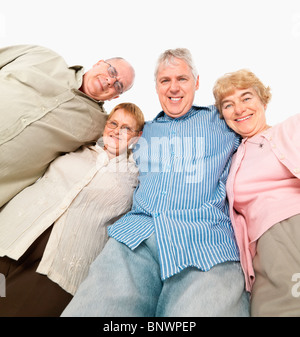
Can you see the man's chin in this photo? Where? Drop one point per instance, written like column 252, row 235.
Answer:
column 177, row 111
column 175, row 114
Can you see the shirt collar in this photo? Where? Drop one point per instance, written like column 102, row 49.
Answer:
column 163, row 117
column 116, row 159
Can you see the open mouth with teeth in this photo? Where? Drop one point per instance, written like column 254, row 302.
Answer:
column 243, row 119
column 175, row 99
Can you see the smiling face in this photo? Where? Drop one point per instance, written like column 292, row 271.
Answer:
column 176, row 86
column 98, row 84
column 244, row 112
column 117, row 140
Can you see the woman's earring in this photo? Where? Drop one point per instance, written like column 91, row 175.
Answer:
column 100, row 142
column 131, row 146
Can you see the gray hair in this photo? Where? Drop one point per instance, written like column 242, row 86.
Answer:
column 168, row 56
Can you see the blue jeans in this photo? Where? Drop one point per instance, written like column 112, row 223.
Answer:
column 126, row 283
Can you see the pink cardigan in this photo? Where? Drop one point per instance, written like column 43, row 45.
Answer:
column 284, row 140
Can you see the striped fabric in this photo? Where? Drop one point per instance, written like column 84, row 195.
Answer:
column 181, row 197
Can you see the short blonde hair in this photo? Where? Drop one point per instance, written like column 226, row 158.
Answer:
column 133, row 110
column 241, row 79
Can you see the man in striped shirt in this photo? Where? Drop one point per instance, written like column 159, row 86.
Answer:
column 174, row 254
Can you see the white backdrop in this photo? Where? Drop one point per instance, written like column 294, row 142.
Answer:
column 223, row 36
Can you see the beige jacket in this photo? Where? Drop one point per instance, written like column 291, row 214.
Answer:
column 82, row 193
column 42, row 114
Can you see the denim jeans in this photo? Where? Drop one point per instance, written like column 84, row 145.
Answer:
column 126, row 283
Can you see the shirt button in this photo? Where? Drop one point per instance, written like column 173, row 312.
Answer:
column 156, row 215
column 296, row 170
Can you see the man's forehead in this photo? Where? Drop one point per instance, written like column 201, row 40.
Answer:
column 172, row 66
column 116, row 62
column 124, row 69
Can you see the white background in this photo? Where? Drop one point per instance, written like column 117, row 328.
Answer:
column 223, row 36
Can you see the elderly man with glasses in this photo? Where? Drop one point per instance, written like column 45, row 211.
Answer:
column 48, row 108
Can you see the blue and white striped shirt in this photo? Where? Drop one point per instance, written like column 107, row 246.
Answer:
column 181, row 197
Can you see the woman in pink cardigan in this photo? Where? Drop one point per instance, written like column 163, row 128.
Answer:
column 263, row 189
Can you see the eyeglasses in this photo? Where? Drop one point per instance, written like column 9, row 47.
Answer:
column 112, row 72
column 124, row 129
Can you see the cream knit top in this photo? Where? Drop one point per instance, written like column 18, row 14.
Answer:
column 81, row 193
